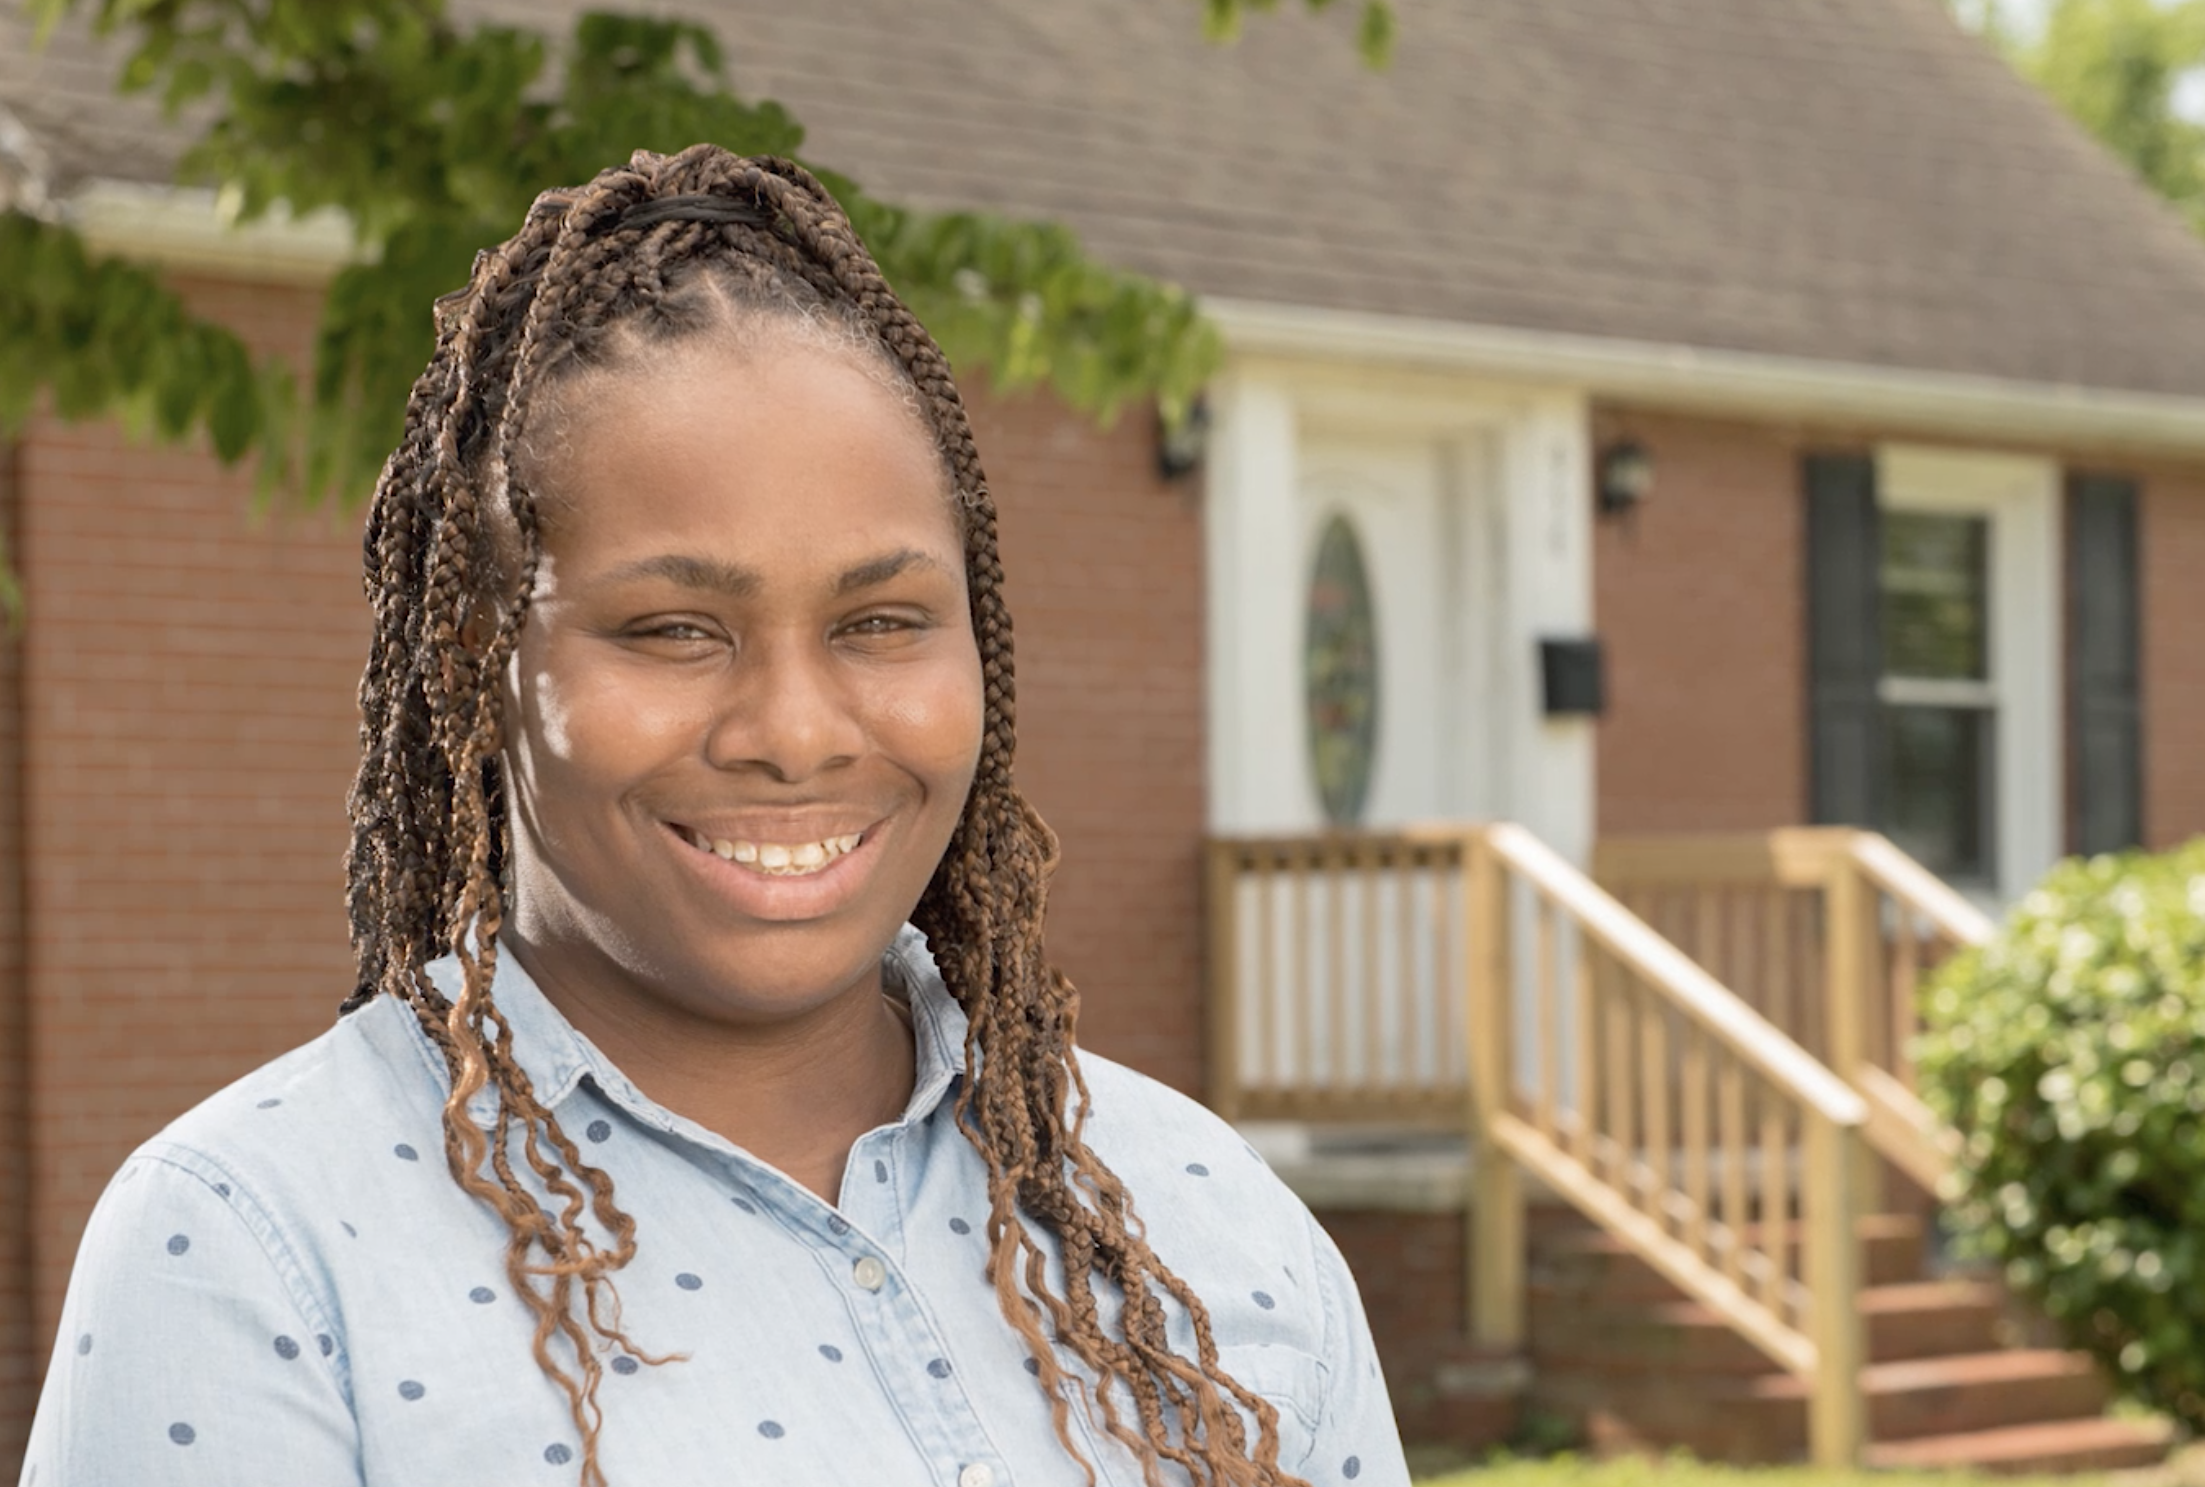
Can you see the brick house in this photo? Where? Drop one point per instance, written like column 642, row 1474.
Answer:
column 1721, row 420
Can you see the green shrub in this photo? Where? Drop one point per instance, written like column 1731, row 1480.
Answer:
column 2070, row 1054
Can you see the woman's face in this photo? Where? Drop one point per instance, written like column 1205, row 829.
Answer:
column 745, row 709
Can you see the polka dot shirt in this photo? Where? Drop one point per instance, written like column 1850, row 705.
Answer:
column 286, row 1286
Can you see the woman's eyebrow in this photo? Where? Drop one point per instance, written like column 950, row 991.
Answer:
column 883, row 568
column 691, row 572
column 738, row 582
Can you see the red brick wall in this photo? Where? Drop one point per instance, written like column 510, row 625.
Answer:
column 190, row 734
column 1697, row 595
column 20, row 1345
column 188, row 677
column 1105, row 581
column 2171, row 538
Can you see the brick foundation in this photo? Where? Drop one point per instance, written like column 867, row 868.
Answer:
column 1412, row 1269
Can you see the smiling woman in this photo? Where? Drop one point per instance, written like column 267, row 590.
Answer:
column 699, row 925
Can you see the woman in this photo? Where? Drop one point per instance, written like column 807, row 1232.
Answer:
column 690, row 684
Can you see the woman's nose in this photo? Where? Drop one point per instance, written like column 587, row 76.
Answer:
column 786, row 712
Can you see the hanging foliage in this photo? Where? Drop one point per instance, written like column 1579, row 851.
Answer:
column 432, row 137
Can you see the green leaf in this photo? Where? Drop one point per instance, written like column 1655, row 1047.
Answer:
column 433, row 137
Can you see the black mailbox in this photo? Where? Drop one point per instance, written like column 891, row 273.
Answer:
column 1573, row 678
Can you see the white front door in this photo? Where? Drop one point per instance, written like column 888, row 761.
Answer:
column 1394, row 510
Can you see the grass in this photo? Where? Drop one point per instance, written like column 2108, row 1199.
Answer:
column 1682, row 1471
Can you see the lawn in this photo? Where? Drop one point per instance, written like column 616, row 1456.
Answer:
column 1571, row 1471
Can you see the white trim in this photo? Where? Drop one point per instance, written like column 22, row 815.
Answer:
column 186, row 228
column 1737, row 382
column 1932, row 691
column 2021, row 497
column 1522, row 452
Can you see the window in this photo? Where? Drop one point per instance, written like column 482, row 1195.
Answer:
column 1934, row 657
column 1940, row 710
column 1340, row 673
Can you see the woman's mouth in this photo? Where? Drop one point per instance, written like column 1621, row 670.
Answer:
column 774, row 859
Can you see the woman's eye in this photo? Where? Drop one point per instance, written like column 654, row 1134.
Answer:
column 872, row 625
column 676, row 632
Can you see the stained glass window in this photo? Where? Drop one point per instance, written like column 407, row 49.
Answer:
column 1340, row 673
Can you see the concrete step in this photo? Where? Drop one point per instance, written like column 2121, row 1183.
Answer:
column 2046, row 1446
column 1915, row 1320
column 1593, row 1264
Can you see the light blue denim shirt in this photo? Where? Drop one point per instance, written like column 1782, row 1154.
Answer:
column 286, row 1289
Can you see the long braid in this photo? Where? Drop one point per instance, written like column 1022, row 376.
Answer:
column 452, row 548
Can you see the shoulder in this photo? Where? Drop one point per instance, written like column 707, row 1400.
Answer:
column 302, row 1149
column 1217, row 1214
column 1153, row 1124
column 370, row 1070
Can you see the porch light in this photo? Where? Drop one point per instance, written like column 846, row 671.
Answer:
column 1181, row 445
column 1625, row 476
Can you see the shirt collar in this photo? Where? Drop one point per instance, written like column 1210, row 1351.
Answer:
column 556, row 1056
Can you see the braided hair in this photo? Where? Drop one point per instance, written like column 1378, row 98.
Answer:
column 665, row 249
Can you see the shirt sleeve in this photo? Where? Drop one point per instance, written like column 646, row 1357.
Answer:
column 185, row 1359
column 1356, row 1439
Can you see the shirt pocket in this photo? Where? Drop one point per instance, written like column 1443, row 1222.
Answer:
column 1291, row 1380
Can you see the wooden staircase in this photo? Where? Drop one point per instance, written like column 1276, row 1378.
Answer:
column 1951, row 1376
column 1704, row 1034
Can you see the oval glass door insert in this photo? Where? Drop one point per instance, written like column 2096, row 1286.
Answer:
column 1340, row 673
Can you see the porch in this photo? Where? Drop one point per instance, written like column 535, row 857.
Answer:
column 1699, row 1053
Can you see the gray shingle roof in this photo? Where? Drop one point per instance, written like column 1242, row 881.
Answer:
column 1843, row 180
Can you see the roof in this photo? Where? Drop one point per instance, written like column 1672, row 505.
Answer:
column 1853, row 181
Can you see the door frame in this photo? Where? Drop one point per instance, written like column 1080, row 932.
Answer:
column 1265, row 412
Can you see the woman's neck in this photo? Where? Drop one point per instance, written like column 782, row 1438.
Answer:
column 795, row 1093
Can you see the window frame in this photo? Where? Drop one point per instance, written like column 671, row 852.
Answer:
column 2020, row 496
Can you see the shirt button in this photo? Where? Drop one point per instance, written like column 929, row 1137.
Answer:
column 871, row 1275
column 979, row 1474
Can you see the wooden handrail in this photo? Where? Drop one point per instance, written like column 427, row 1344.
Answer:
column 1919, row 889
column 1880, row 919
column 1694, row 992
column 1793, row 857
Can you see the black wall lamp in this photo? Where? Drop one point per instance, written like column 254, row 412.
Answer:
column 1623, row 476
column 1180, row 446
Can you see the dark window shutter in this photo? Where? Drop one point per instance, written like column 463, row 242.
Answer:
column 1844, row 639
column 2105, row 717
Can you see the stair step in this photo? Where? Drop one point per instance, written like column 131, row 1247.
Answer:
column 1966, row 1392
column 1764, row 1418
column 1914, row 1320
column 1932, row 1318
column 1596, row 1265
column 2046, row 1446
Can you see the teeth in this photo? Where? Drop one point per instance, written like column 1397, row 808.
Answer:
column 776, row 859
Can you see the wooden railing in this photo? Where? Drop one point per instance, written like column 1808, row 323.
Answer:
column 1827, row 932
column 1584, row 1049
column 1337, row 971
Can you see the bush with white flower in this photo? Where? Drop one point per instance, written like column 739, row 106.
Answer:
column 2070, row 1054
